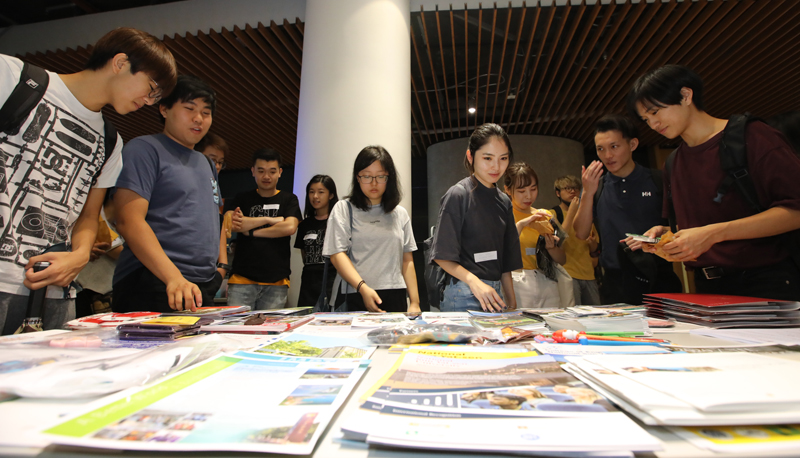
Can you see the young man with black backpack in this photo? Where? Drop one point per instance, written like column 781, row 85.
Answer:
column 54, row 167
column 626, row 200
column 732, row 185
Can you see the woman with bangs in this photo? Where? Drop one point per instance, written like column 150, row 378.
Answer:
column 476, row 240
column 537, row 284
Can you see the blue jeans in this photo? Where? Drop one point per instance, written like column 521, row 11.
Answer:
column 258, row 297
column 459, row 298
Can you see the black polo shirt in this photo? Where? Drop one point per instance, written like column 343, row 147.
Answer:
column 627, row 205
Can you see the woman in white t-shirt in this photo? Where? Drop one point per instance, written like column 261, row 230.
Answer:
column 369, row 238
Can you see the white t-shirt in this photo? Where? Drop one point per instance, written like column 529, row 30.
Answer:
column 377, row 242
column 46, row 171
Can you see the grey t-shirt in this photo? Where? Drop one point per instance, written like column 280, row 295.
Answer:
column 181, row 188
column 378, row 241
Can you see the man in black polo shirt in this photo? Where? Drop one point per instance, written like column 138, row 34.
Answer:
column 629, row 202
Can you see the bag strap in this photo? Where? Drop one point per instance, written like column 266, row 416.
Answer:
column 30, row 89
column 324, row 290
column 559, row 213
column 733, row 159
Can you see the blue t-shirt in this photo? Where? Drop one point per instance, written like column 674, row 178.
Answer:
column 181, row 187
column 631, row 204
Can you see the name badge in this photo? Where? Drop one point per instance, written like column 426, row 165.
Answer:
column 310, row 237
column 530, row 251
column 486, row 256
column 272, row 206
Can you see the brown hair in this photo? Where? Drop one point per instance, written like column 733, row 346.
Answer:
column 145, row 52
column 567, row 180
column 520, row 175
column 214, row 140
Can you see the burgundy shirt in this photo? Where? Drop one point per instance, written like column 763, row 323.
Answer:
column 695, row 178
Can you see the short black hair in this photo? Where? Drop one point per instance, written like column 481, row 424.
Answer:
column 267, row 154
column 189, row 88
column 621, row 123
column 662, row 87
column 393, row 194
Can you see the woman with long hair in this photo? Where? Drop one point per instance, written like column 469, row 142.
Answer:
column 321, row 196
column 476, row 240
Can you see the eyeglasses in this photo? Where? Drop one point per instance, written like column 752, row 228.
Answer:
column 366, row 179
column 155, row 92
column 220, row 163
column 570, row 188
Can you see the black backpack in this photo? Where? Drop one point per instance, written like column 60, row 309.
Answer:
column 27, row 94
column 733, row 159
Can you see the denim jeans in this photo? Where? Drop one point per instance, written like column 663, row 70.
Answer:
column 258, row 297
column 459, row 298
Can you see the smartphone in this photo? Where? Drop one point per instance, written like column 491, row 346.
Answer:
column 642, row 238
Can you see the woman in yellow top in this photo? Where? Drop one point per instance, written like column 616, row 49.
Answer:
column 532, row 286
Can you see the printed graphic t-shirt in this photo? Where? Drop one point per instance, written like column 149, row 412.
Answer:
column 46, row 172
column 263, row 259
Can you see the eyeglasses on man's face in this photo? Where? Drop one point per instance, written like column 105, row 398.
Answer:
column 220, row 163
column 570, row 189
column 366, row 179
column 155, row 92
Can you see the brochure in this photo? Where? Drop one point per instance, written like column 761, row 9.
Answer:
column 315, row 346
column 174, row 415
column 379, row 320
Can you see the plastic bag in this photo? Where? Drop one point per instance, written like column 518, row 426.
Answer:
column 93, row 372
column 421, row 333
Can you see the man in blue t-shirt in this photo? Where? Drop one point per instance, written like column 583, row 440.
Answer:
column 630, row 202
column 167, row 200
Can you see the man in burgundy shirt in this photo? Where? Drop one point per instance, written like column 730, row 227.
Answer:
column 737, row 250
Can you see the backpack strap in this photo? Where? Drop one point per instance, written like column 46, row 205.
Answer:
column 733, row 160
column 559, row 213
column 30, row 89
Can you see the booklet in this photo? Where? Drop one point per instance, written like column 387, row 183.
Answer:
column 173, row 415
column 258, row 324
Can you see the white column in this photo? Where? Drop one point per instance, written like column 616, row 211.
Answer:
column 355, row 91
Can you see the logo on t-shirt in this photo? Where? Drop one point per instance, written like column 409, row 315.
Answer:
column 215, row 190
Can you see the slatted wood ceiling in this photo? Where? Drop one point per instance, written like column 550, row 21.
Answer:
column 538, row 69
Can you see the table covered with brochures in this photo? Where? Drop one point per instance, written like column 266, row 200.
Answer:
column 324, row 389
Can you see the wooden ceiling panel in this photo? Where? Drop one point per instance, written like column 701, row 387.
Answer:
column 537, row 69
column 562, row 67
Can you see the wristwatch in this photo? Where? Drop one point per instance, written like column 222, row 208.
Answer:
column 221, row 265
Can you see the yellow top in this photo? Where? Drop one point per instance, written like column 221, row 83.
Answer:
column 239, row 280
column 528, row 239
column 579, row 261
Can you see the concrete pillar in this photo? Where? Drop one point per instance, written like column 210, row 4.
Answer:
column 355, row 90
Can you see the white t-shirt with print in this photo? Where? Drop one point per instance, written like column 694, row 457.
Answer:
column 46, row 172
